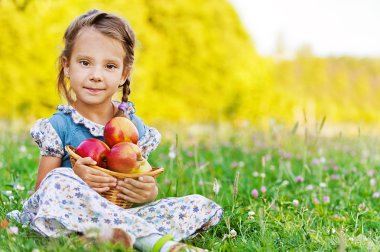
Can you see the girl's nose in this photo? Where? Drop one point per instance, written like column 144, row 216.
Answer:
column 96, row 74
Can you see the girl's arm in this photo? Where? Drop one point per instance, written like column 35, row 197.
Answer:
column 47, row 163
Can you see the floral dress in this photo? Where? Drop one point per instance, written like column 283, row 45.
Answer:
column 65, row 204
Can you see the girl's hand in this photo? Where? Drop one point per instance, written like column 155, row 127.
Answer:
column 141, row 190
column 97, row 180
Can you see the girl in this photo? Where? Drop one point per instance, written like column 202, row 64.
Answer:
column 96, row 62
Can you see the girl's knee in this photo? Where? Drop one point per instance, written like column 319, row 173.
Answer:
column 197, row 197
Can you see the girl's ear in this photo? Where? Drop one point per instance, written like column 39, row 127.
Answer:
column 125, row 75
column 65, row 64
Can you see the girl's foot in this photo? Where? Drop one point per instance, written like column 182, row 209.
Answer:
column 166, row 244
column 179, row 247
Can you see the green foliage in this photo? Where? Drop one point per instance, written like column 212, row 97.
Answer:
column 340, row 168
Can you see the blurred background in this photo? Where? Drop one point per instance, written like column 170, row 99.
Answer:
column 242, row 63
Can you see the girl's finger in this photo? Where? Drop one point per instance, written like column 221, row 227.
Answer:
column 138, row 184
column 99, row 173
column 86, row 161
column 130, row 193
column 98, row 185
column 131, row 188
column 101, row 179
column 101, row 189
column 125, row 197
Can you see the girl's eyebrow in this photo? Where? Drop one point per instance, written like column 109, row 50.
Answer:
column 91, row 58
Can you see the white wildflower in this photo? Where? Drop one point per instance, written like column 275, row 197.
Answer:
column 233, row 233
column 296, row 203
column 19, row 187
column 172, row 152
column 251, row 215
column 372, row 182
column 8, row 193
column 309, row 187
column 285, row 183
column 322, row 184
column 23, row 149
column 216, row 187
column 255, row 174
column 13, row 230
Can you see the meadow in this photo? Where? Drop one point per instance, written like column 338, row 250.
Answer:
column 281, row 191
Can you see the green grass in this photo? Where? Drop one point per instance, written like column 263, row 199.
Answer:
column 339, row 168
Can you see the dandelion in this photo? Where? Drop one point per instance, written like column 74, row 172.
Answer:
column 376, row 195
column 255, row 193
column 326, row 199
column 263, row 189
column 251, row 215
column 285, row 183
column 299, row 179
column 296, row 203
column 316, row 201
column 216, row 187
column 13, row 230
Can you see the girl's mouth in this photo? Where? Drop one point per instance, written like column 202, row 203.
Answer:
column 94, row 90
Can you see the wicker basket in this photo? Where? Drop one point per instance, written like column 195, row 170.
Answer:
column 111, row 194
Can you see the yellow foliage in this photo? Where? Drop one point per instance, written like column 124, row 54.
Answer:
column 194, row 63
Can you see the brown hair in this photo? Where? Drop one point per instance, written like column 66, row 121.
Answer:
column 109, row 25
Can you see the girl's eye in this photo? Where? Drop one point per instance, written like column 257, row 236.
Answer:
column 84, row 62
column 111, row 66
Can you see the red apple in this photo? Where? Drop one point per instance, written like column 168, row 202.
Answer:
column 124, row 157
column 95, row 149
column 120, row 129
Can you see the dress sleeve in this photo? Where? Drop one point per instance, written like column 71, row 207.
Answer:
column 149, row 141
column 47, row 138
column 149, row 138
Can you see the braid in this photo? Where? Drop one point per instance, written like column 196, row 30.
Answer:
column 124, row 99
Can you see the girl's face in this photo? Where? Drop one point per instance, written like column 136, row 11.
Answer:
column 95, row 67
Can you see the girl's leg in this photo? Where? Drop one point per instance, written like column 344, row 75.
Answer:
column 65, row 204
column 181, row 217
